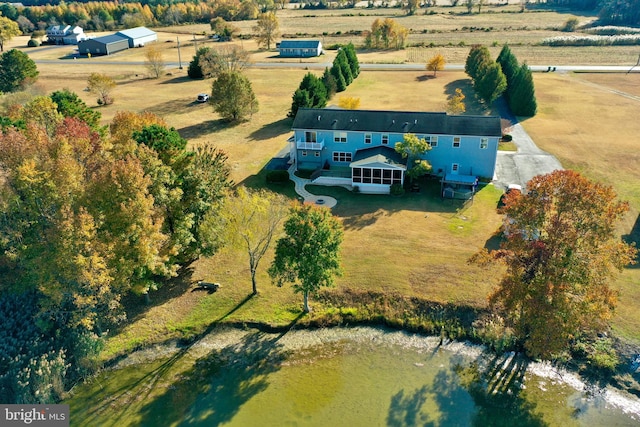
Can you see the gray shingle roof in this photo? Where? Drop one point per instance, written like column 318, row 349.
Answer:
column 396, row 122
column 299, row 44
column 379, row 155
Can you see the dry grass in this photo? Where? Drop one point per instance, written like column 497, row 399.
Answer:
column 410, row 245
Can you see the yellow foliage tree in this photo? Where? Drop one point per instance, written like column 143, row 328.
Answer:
column 349, row 102
column 455, row 103
column 436, row 64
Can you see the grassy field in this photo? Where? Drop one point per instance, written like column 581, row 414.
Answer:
column 414, row 245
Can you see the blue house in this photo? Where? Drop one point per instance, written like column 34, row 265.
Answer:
column 356, row 147
column 300, row 48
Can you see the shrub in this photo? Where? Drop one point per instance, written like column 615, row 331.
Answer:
column 507, row 138
column 278, row 176
column 33, row 43
column 397, row 189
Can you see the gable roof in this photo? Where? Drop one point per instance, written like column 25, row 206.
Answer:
column 299, row 44
column 112, row 38
column 379, row 156
column 396, row 122
column 137, row 32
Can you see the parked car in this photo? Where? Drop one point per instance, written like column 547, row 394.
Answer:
column 202, row 97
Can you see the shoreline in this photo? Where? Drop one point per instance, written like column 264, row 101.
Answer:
column 296, row 339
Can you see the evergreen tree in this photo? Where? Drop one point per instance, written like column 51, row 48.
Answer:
column 300, row 100
column 341, row 84
column 342, row 62
column 522, row 98
column 16, row 69
column 509, row 63
column 492, row 83
column 352, row 57
column 195, row 69
column 478, row 56
column 317, row 90
column 329, row 82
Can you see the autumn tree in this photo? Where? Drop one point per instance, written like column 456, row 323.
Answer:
column 562, row 253
column 16, row 70
column 223, row 29
column 386, row 34
column 410, row 6
column 308, row 255
column 232, row 96
column 8, row 30
column 436, row 64
column 225, row 58
column 102, row 86
column 413, row 148
column 153, row 61
column 250, row 221
column 267, row 29
column 349, row 102
column 455, row 103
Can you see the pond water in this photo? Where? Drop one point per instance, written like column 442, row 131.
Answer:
column 364, row 377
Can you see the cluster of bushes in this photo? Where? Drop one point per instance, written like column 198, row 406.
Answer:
column 315, row 92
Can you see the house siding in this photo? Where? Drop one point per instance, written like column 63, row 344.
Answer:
column 469, row 156
column 300, row 48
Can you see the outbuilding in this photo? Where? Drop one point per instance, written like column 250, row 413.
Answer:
column 138, row 36
column 300, row 48
column 105, row 45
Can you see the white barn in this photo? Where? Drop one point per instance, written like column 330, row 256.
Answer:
column 138, row 36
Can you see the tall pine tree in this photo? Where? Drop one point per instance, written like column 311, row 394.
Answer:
column 522, row 98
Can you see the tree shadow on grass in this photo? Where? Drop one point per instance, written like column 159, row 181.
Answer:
column 271, row 130
column 180, row 79
column 211, row 392
column 633, row 238
column 204, row 128
column 473, row 105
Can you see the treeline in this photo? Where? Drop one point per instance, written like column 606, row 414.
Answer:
column 491, row 79
column 109, row 15
column 90, row 214
column 315, row 92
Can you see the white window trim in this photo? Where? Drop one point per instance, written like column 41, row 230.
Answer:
column 340, row 137
column 456, row 140
column 384, row 137
column 484, row 143
column 367, row 138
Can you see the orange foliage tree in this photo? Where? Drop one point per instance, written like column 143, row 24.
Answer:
column 561, row 254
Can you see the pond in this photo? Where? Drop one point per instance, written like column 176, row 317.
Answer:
column 341, row 377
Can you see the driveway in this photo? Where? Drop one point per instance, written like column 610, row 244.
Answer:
column 528, row 161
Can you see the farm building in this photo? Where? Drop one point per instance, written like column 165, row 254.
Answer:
column 300, row 48
column 138, row 36
column 65, row 34
column 105, row 45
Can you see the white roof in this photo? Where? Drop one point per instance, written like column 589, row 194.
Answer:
column 135, row 33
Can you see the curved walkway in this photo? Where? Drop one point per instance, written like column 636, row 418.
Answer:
column 300, row 183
